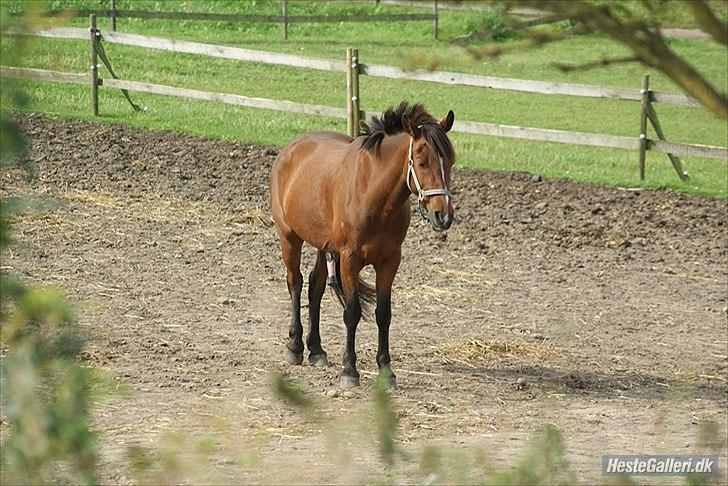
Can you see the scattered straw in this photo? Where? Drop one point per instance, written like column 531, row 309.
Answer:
column 255, row 217
column 93, row 197
column 474, row 351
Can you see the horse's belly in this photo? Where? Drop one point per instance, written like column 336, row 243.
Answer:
column 306, row 214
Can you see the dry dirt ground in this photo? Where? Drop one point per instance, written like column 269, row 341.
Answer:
column 599, row 310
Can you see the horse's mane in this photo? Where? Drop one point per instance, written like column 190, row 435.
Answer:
column 390, row 123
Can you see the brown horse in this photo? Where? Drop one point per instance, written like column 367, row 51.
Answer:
column 350, row 200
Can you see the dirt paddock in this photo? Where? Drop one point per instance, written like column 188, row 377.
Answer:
column 596, row 309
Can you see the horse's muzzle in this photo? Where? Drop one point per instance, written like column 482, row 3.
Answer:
column 441, row 221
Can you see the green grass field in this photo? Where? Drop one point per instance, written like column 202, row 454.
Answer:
column 404, row 44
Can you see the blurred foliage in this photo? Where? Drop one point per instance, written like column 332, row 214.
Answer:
column 45, row 390
column 494, row 22
column 544, row 463
column 385, row 417
column 291, row 393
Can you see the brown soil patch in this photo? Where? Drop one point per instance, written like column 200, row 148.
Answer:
column 596, row 309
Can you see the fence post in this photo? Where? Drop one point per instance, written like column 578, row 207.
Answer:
column 113, row 15
column 645, row 92
column 94, row 66
column 285, row 19
column 352, row 92
column 434, row 8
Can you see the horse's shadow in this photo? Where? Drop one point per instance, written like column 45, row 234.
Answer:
column 575, row 381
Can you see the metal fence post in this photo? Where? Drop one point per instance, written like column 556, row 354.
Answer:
column 94, row 66
column 352, row 92
column 645, row 92
column 285, row 19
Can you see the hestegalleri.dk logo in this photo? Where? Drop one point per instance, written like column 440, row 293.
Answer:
column 658, row 465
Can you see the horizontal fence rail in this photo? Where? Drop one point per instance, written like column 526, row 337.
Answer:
column 50, row 32
column 523, row 85
column 216, row 17
column 374, row 70
column 43, row 75
column 688, row 149
column 590, row 139
column 224, row 52
column 230, row 99
column 546, row 135
column 187, row 47
column 478, row 128
column 353, row 68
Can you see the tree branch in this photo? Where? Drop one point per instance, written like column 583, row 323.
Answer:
column 535, row 39
column 647, row 44
column 708, row 21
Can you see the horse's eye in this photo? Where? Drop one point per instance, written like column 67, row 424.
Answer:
column 423, row 162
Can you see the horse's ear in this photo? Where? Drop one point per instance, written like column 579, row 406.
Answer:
column 413, row 131
column 446, row 123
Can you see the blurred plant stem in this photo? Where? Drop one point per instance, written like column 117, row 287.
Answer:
column 45, row 389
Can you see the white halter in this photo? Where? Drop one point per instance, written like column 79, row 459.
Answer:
column 423, row 194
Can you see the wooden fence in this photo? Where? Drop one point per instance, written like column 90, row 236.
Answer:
column 284, row 19
column 353, row 67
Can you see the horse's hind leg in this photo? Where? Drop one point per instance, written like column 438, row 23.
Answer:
column 316, row 288
column 291, row 249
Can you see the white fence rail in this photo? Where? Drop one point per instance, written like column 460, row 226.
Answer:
column 353, row 70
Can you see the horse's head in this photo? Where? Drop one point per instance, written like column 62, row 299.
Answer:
column 430, row 158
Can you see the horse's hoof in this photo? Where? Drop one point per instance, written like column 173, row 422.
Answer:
column 319, row 360
column 348, row 382
column 293, row 358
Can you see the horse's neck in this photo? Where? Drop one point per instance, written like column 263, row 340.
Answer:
column 386, row 176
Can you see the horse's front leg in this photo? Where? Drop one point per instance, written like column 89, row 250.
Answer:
column 350, row 268
column 386, row 271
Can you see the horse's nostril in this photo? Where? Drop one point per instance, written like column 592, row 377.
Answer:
column 438, row 217
column 448, row 219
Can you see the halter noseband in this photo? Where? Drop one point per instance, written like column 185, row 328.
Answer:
column 424, row 194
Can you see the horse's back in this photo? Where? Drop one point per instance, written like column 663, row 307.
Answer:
column 300, row 150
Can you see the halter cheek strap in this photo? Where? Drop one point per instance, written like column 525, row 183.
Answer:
column 424, row 194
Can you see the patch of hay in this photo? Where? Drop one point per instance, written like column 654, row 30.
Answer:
column 254, row 217
column 41, row 219
column 91, row 197
column 454, row 294
column 151, row 206
column 476, row 351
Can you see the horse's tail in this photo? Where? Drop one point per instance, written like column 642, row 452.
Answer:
column 367, row 295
